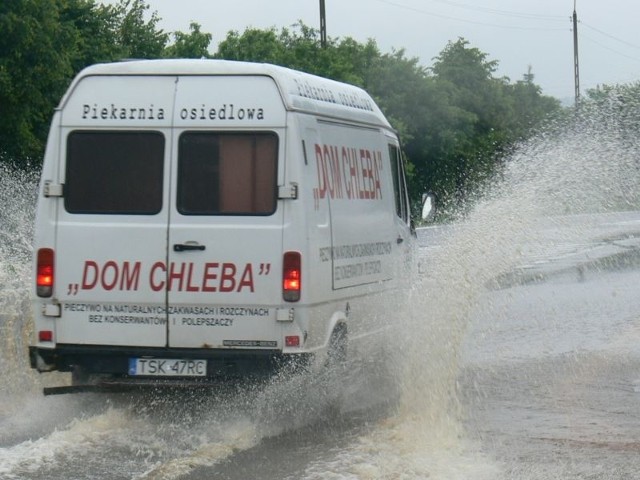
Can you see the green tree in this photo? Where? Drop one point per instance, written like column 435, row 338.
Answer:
column 254, row 45
column 490, row 115
column 192, row 45
column 95, row 32
column 36, row 60
column 466, row 77
column 530, row 106
column 136, row 37
column 299, row 48
column 44, row 43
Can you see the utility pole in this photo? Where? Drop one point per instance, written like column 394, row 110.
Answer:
column 323, row 26
column 576, row 69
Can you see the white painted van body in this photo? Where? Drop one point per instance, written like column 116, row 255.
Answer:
column 174, row 193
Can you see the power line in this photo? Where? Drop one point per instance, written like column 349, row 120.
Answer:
column 636, row 59
column 609, row 35
column 458, row 19
column 508, row 13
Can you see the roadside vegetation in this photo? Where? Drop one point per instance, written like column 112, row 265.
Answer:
column 457, row 119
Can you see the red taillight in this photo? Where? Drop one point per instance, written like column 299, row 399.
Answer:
column 291, row 276
column 45, row 336
column 292, row 341
column 44, row 272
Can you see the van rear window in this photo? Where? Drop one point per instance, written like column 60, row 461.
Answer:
column 114, row 172
column 227, row 173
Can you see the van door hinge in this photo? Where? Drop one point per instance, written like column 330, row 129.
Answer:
column 288, row 191
column 51, row 310
column 53, row 189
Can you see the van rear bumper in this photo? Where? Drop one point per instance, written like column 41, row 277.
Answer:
column 114, row 361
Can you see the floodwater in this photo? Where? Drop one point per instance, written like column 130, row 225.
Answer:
column 517, row 356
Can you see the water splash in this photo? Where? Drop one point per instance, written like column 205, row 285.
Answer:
column 589, row 164
column 17, row 206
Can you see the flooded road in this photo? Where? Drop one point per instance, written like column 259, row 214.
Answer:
column 546, row 380
column 517, row 356
column 553, row 388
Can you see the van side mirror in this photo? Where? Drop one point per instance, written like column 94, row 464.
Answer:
column 428, row 206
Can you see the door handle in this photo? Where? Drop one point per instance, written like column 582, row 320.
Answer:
column 183, row 247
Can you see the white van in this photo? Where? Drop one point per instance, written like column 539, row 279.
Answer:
column 201, row 219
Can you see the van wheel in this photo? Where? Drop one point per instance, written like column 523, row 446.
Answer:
column 337, row 354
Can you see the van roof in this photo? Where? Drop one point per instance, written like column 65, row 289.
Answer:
column 300, row 91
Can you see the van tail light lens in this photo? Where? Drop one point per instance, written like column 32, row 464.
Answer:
column 291, row 276
column 45, row 336
column 44, row 272
column 292, row 341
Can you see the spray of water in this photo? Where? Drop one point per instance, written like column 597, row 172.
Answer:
column 588, row 165
column 17, row 202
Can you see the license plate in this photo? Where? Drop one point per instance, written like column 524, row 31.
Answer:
column 167, row 367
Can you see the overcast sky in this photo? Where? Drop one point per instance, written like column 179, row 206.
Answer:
column 518, row 34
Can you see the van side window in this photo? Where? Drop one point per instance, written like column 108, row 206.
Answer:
column 227, row 173
column 399, row 185
column 111, row 172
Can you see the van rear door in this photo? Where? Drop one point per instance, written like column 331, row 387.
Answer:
column 223, row 276
column 111, row 225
